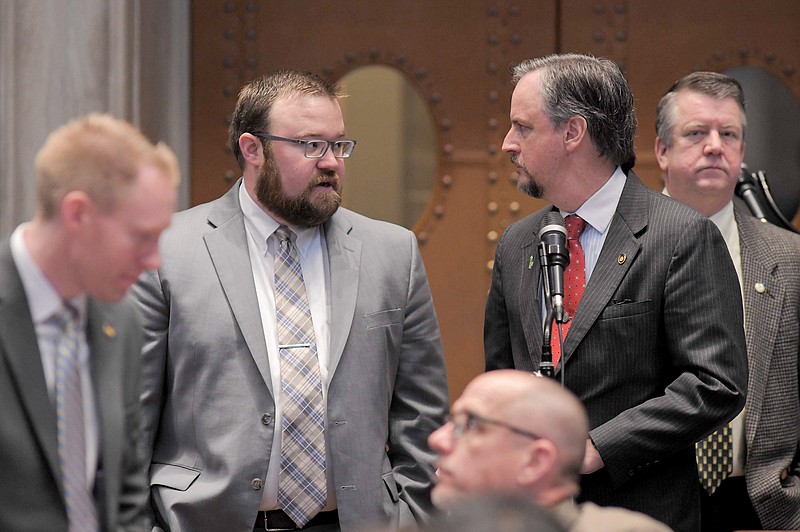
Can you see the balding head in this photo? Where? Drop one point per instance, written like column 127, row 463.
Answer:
column 512, row 433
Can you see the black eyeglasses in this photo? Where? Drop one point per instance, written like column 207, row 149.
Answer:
column 464, row 422
column 317, row 148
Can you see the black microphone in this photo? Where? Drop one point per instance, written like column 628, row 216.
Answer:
column 553, row 238
column 745, row 189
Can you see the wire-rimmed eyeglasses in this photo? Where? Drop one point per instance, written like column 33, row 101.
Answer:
column 316, row 148
column 465, row 422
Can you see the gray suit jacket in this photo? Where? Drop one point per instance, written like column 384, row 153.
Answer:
column 208, row 396
column 654, row 352
column 771, row 256
column 31, row 491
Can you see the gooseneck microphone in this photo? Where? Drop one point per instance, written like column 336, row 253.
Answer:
column 553, row 241
column 746, row 189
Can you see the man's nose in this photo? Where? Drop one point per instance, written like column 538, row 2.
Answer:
column 441, row 439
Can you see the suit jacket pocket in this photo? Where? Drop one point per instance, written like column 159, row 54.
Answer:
column 625, row 308
column 172, row 476
column 383, row 318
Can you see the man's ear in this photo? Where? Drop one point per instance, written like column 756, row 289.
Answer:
column 575, row 131
column 251, row 148
column 75, row 208
column 541, row 461
column 661, row 154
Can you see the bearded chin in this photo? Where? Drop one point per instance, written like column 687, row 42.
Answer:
column 530, row 187
column 300, row 210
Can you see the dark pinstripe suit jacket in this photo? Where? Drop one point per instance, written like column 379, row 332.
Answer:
column 656, row 350
column 771, row 256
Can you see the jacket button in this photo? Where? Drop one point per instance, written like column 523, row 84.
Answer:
column 256, row 483
column 266, row 419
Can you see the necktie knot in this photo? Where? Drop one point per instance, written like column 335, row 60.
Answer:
column 284, row 235
column 575, row 226
column 67, row 317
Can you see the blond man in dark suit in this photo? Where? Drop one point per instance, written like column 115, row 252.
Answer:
column 104, row 195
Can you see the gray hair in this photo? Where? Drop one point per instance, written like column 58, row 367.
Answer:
column 594, row 88
column 713, row 84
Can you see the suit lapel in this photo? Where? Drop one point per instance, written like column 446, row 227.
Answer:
column 344, row 256
column 530, row 297
column 227, row 246
column 18, row 345
column 106, row 355
column 619, row 251
column 758, row 266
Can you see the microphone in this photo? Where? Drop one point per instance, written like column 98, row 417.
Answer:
column 745, row 189
column 553, row 240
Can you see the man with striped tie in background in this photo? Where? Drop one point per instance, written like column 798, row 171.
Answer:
column 70, row 451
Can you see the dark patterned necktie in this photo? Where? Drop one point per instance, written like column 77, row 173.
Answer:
column 574, row 279
column 302, row 486
column 715, row 458
column 71, row 431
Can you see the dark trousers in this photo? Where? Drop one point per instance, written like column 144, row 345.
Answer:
column 728, row 509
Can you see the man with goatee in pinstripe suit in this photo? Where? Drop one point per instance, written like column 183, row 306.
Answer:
column 655, row 349
column 700, row 146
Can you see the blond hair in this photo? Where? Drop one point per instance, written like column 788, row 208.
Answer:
column 99, row 155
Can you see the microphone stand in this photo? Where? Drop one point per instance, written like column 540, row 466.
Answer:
column 546, row 368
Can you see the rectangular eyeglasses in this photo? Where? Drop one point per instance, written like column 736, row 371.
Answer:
column 317, row 148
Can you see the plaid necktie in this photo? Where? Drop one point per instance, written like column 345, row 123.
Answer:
column 715, row 458
column 81, row 512
column 302, row 486
column 574, row 279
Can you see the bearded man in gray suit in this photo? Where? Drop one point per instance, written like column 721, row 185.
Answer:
column 215, row 401
column 655, row 350
column 700, row 147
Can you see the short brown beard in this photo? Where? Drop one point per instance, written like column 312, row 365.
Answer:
column 299, row 210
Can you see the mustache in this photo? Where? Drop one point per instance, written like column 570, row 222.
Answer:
column 325, row 176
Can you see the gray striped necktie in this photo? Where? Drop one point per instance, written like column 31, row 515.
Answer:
column 302, row 486
column 71, row 431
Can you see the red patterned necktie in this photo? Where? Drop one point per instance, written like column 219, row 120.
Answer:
column 574, row 279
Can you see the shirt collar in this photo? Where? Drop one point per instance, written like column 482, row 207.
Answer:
column 43, row 299
column 599, row 209
column 261, row 225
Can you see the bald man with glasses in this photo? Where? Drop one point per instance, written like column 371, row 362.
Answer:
column 516, row 434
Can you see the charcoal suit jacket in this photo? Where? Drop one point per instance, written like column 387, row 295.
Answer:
column 656, row 349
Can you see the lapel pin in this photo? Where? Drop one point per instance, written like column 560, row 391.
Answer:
column 530, row 262
column 109, row 330
column 621, row 259
column 760, row 288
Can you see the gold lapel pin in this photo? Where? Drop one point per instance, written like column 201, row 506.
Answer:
column 621, row 259
column 109, row 330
